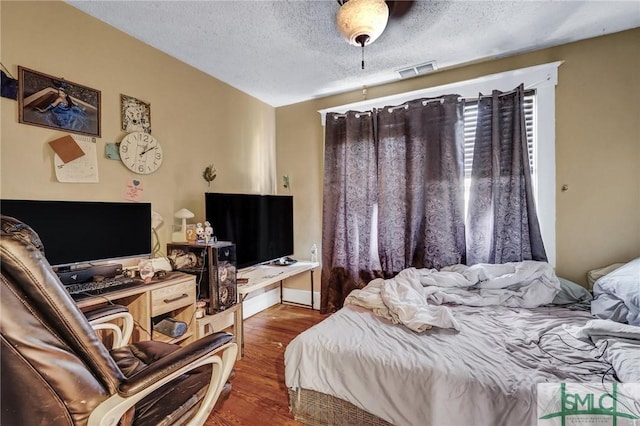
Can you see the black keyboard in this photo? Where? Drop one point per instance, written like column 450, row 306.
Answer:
column 108, row 285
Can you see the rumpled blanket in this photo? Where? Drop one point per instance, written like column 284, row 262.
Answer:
column 620, row 344
column 413, row 297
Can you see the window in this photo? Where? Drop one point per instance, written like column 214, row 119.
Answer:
column 470, row 119
column 541, row 81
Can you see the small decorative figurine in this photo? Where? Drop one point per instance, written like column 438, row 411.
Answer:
column 208, row 232
column 145, row 269
column 199, row 233
column 201, row 306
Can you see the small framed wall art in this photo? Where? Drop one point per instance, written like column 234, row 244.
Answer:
column 136, row 115
column 56, row 103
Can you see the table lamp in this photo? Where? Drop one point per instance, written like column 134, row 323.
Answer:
column 181, row 236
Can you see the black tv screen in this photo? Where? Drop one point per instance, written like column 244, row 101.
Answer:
column 82, row 232
column 261, row 226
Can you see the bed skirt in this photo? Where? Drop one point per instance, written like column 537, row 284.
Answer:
column 318, row 409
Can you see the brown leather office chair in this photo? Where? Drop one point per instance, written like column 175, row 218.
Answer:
column 56, row 371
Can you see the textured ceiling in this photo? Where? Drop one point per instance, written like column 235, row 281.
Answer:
column 283, row 52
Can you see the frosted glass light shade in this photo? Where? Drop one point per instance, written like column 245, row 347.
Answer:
column 362, row 17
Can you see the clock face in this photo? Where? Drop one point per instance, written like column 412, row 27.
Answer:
column 141, row 153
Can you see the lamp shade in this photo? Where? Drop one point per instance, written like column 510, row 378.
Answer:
column 183, row 214
column 358, row 18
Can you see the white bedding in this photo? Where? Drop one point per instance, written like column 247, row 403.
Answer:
column 485, row 374
column 410, row 298
column 617, row 294
column 620, row 345
column 401, row 300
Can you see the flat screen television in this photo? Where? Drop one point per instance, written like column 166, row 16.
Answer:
column 261, row 226
column 77, row 233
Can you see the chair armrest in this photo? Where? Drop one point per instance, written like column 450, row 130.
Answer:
column 175, row 360
column 103, row 311
column 104, row 317
column 213, row 351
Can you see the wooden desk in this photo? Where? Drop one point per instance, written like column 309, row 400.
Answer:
column 259, row 277
column 174, row 295
column 262, row 276
column 207, row 322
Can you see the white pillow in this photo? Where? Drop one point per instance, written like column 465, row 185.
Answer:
column 595, row 274
column 570, row 293
column 617, row 294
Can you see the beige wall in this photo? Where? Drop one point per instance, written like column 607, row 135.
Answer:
column 197, row 119
column 597, row 148
column 200, row 120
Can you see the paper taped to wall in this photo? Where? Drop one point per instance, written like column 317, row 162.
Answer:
column 81, row 170
column 66, row 148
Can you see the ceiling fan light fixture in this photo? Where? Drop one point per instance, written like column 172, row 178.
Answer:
column 361, row 22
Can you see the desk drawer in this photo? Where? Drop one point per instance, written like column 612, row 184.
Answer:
column 173, row 297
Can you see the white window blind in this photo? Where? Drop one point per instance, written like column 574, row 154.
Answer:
column 471, row 117
column 470, row 121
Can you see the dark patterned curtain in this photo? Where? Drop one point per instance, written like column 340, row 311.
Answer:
column 502, row 224
column 348, row 211
column 421, row 184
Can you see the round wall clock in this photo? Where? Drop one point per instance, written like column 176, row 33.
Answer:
column 141, row 153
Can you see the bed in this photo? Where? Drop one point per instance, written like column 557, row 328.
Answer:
column 363, row 365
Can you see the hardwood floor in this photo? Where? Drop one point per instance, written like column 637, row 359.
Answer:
column 259, row 395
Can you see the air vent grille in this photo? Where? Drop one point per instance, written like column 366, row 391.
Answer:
column 418, row 70
column 407, row 72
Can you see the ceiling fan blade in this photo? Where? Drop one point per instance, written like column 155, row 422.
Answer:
column 399, row 8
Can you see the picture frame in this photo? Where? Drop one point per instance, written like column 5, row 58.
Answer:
column 135, row 114
column 56, row 103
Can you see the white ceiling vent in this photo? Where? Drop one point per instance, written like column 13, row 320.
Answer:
column 418, row 69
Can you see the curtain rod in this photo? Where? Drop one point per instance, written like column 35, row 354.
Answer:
column 391, row 108
column 406, row 105
column 534, row 77
column 358, row 114
column 425, row 102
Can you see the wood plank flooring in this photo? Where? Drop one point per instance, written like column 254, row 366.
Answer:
column 259, row 395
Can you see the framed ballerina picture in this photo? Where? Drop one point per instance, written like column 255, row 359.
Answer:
column 57, row 103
